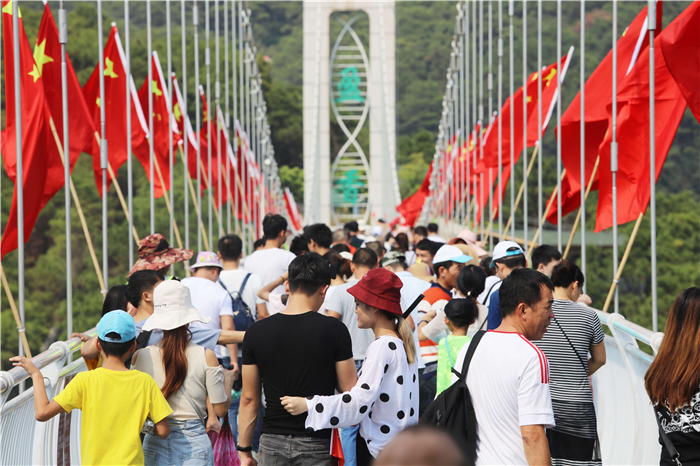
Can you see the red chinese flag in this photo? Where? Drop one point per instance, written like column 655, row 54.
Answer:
column 225, row 158
column 243, row 171
column 549, row 98
column 680, row 45
column 185, row 126
column 115, row 80
column 292, row 210
column 634, row 40
column 633, row 177
column 161, row 141
column 215, row 159
column 38, row 147
column 47, row 55
column 411, row 207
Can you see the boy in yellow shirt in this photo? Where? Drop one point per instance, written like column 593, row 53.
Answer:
column 109, row 396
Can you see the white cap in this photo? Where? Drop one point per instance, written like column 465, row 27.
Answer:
column 505, row 249
column 450, row 253
column 172, row 307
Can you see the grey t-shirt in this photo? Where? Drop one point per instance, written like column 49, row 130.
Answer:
column 343, row 303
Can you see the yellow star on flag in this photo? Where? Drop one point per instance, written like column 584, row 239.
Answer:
column 625, row 32
column 550, row 76
column 154, row 88
column 109, row 69
column 529, row 99
column 8, row 9
column 178, row 114
column 40, row 56
column 534, row 77
column 98, row 101
column 35, row 73
column 205, row 115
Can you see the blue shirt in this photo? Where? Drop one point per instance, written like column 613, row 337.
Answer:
column 494, row 320
column 205, row 337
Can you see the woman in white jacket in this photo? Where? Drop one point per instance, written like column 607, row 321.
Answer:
column 385, row 399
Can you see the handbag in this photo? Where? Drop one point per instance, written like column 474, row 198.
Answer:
column 675, row 456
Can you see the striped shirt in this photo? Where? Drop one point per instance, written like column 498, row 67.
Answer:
column 569, row 377
column 435, row 298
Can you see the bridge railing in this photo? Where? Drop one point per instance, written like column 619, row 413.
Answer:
column 626, row 425
column 23, row 440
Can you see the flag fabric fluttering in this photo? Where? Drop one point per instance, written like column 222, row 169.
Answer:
column 161, row 113
column 292, row 210
column 634, row 40
column 549, row 99
column 184, row 125
column 633, row 176
column 411, row 207
column 115, row 111
column 38, row 148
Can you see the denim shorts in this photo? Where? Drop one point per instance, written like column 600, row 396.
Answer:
column 187, row 444
column 288, row 450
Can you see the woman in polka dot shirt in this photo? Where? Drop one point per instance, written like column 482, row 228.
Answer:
column 385, row 399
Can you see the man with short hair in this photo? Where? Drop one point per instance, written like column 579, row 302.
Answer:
column 353, row 229
column 433, row 233
column 425, row 250
column 508, row 377
column 449, row 260
column 297, row 352
column 545, row 258
column 419, row 234
column 211, row 300
column 507, row 256
column 378, row 249
column 319, row 238
column 271, row 261
column 341, row 305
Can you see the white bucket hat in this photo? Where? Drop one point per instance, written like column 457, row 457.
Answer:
column 172, row 307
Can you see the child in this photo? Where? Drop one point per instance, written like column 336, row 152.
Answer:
column 110, row 396
column 459, row 315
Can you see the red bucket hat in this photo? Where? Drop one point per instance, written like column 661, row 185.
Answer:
column 155, row 253
column 380, row 288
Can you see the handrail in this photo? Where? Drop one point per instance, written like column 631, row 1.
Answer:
column 42, row 360
column 646, row 336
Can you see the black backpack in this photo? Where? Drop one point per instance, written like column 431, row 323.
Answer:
column 453, row 410
column 242, row 317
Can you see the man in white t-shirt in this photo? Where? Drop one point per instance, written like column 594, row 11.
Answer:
column 210, row 299
column 271, row 261
column 508, row 377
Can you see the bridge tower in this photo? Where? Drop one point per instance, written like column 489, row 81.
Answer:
column 356, row 91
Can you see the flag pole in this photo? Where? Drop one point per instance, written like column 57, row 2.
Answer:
column 651, row 14
column 500, row 120
column 559, row 170
column 582, row 125
column 582, row 210
column 198, row 121
column 185, row 154
column 207, row 64
column 613, row 148
column 475, row 104
column 462, row 112
column 511, row 11
column 481, row 109
column 81, row 215
column 63, row 40
column 533, row 243
column 490, row 89
column 241, row 59
column 217, row 99
column 521, row 190
column 129, row 166
column 525, row 210
column 19, row 183
column 170, row 132
column 227, row 115
column 234, row 73
column 467, row 110
column 104, row 159
column 539, row 113
column 623, row 262
column 150, row 118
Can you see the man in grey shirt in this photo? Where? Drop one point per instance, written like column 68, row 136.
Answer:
column 342, row 305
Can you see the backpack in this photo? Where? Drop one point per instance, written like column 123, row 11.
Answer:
column 453, row 410
column 242, row 317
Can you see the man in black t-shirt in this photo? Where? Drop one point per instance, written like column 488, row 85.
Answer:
column 298, row 352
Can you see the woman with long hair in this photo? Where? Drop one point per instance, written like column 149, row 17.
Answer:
column 673, row 380
column 574, row 333
column 187, row 374
column 385, row 399
column 404, row 248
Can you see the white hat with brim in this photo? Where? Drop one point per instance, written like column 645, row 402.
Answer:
column 172, row 307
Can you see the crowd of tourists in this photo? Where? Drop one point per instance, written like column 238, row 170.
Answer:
column 332, row 346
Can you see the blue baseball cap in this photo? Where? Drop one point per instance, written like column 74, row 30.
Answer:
column 118, row 322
